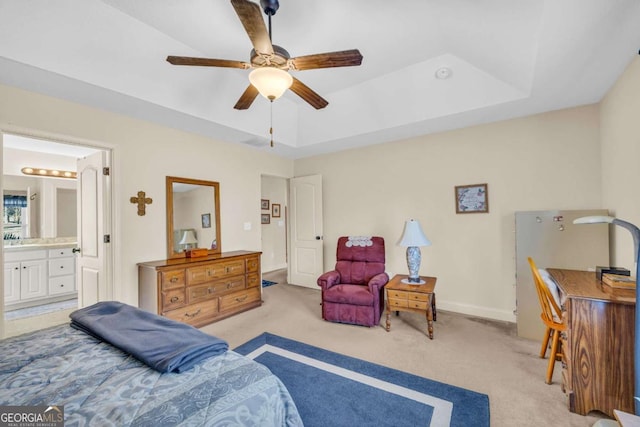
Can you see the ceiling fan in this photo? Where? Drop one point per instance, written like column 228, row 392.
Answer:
column 271, row 63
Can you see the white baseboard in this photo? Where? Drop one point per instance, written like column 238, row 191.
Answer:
column 478, row 311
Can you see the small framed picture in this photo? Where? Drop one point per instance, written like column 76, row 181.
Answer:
column 472, row 198
column 264, row 204
column 206, row 220
column 265, row 219
column 275, row 210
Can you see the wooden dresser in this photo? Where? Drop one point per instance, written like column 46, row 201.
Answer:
column 597, row 348
column 199, row 291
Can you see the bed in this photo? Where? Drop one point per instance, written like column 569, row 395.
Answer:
column 100, row 384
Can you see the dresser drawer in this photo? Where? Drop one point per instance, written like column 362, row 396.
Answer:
column 172, row 298
column 62, row 285
column 215, row 288
column 61, row 266
column 171, row 279
column 202, row 292
column 237, row 299
column 253, row 264
column 195, row 313
column 253, row 280
column 207, row 273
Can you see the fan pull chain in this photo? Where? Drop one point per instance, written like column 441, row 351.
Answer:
column 271, row 122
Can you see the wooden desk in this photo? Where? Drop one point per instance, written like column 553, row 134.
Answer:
column 411, row 297
column 597, row 348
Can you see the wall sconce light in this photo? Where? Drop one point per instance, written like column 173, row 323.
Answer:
column 51, row 173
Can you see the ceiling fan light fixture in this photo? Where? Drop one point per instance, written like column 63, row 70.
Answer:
column 271, row 82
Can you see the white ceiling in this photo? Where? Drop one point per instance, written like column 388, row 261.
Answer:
column 509, row 59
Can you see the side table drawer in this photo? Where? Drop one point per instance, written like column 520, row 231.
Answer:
column 420, row 305
column 401, row 303
column 415, row 296
column 397, row 294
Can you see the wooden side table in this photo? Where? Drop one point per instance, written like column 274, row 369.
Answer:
column 417, row 298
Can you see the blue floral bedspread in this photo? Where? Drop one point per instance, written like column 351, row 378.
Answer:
column 100, row 385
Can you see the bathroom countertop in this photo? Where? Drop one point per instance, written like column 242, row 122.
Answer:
column 31, row 246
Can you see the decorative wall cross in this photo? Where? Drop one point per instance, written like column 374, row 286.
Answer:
column 142, row 202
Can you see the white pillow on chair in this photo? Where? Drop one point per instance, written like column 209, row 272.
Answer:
column 551, row 285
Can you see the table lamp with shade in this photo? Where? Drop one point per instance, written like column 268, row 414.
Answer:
column 635, row 232
column 412, row 238
column 188, row 239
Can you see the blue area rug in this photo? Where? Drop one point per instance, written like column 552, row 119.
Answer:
column 335, row 390
column 266, row 283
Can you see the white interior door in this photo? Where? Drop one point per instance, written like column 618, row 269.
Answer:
column 306, row 230
column 93, row 208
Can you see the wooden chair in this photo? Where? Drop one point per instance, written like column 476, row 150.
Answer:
column 551, row 316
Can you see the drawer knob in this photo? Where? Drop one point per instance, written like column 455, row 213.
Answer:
column 175, row 299
column 173, row 280
column 241, row 299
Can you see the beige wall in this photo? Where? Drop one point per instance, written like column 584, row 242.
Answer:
column 144, row 153
column 547, row 161
column 571, row 159
column 620, row 136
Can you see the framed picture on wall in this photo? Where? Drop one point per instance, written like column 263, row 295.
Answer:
column 265, row 219
column 275, row 210
column 264, row 204
column 206, row 220
column 472, row 198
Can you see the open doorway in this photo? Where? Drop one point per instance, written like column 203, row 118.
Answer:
column 273, row 220
column 40, row 241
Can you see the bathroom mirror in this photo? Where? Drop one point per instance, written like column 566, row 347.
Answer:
column 193, row 216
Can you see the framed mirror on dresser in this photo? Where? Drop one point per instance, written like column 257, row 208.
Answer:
column 193, row 216
column 191, row 286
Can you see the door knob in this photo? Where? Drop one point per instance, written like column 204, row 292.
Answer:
column 75, row 250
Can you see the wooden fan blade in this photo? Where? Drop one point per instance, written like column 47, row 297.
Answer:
column 207, row 62
column 247, row 98
column 306, row 93
column 344, row 58
column 251, row 17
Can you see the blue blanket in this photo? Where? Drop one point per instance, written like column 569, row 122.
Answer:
column 163, row 344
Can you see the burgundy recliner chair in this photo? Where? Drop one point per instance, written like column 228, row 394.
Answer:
column 353, row 292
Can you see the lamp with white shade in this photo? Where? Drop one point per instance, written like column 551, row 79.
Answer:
column 188, row 239
column 635, row 232
column 412, row 238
